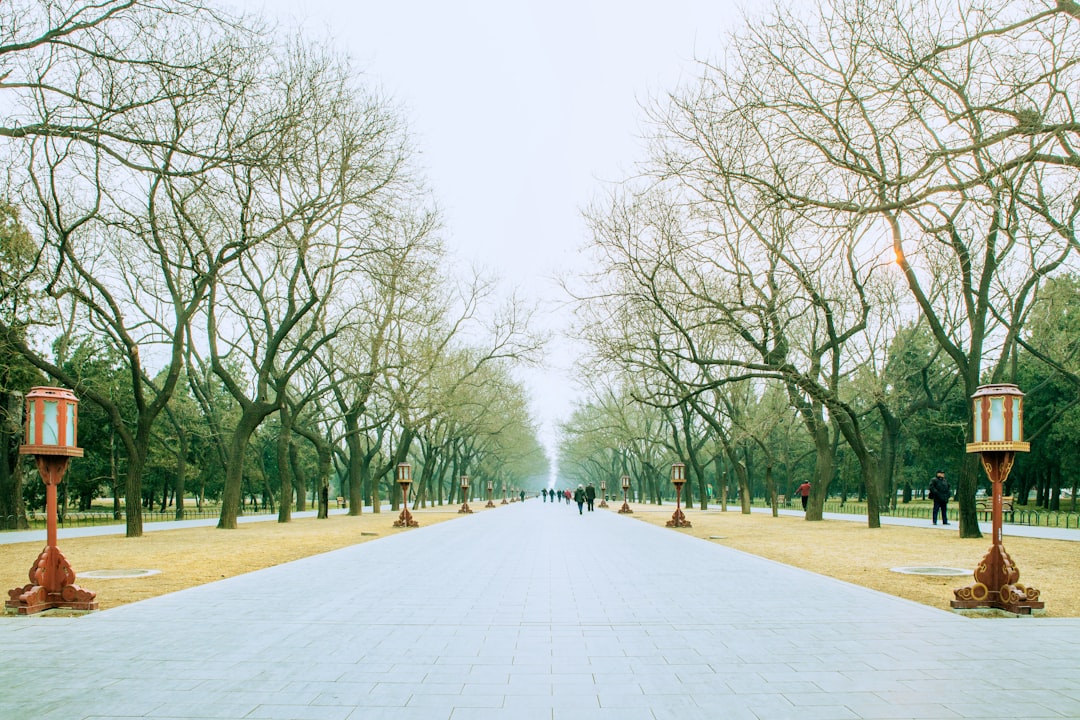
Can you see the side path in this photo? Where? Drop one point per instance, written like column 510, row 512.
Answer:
column 18, row 536
column 532, row 611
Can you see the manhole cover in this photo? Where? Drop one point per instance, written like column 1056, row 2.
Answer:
column 948, row 571
column 114, row 574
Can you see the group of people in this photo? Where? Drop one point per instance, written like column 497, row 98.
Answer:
column 584, row 495
column 939, row 491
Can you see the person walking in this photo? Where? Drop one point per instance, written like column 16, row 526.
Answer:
column 545, row 494
column 804, row 493
column 579, row 498
column 939, row 493
column 590, row 496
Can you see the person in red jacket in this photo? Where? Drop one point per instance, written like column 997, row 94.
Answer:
column 804, row 493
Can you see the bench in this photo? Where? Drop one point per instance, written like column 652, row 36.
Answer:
column 986, row 507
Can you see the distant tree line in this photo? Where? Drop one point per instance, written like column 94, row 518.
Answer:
column 846, row 223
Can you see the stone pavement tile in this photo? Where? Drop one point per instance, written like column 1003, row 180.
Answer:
column 450, row 702
column 999, row 709
column 552, row 702
column 340, row 693
column 816, row 712
column 211, row 710
column 871, row 681
column 1061, row 703
column 382, row 713
column 525, row 665
column 542, row 689
column 497, row 714
column 902, row 712
column 707, row 708
column 813, row 699
column 621, row 713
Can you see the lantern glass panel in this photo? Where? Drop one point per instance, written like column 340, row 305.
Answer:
column 71, row 410
column 997, row 419
column 977, row 414
column 1018, row 411
column 50, row 429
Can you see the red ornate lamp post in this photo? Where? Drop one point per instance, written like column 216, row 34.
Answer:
column 625, row 509
column 491, row 494
column 603, row 493
column 51, row 427
column 404, row 478
column 678, row 477
column 465, row 495
column 998, row 436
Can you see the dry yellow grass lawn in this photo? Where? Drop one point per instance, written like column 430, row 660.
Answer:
column 194, row 556
column 844, row 550
column 852, row 552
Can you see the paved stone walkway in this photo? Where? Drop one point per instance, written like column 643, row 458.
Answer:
column 532, row 611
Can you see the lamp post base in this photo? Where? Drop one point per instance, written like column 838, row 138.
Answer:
column 465, row 508
column 53, row 586
column 603, row 503
column 678, row 520
column 998, row 571
column 405, row 519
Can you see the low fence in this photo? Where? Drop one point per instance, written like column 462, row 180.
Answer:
column 91, row 519
column 1020, row 515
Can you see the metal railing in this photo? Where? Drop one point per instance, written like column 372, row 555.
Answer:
column 92, row 519
column 1019, row 515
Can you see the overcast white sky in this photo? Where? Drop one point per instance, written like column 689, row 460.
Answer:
column 521, row 110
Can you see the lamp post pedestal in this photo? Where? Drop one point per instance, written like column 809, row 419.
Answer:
column 678, row 478
column 52, row 580
column 996, row 576
column 625, row 509
column 465, row 496
column 603, row 495
column 405, row 519
column 490, row 492
column 678, row 518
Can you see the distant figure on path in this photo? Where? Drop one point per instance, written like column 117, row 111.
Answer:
column 567, row 495
column 545, row 494
column 804, row 493
column 590, row 495
column 522, row 495
column 939, row 493
column 579, row 498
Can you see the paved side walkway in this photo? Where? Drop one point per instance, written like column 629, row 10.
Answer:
column 532, row 611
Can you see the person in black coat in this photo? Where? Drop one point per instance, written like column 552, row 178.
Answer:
column 579, row 498
column 939, row 493
column 590, row 495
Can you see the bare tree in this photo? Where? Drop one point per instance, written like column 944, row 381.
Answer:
column 123, row 111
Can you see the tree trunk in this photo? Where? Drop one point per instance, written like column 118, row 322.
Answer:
column 285, row 481
column 133, row 496
column 12, row 509
column 823, row 471
column 180, row 485
column 890, row 442
column 359, row 470
column 250, row 419
column 300, row 482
